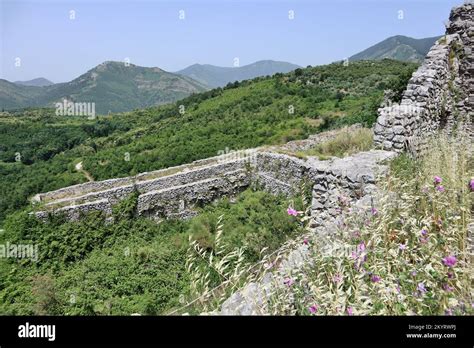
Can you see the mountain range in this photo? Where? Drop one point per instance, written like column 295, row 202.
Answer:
column 398, row 47
column 217, row 76
column 117, row 87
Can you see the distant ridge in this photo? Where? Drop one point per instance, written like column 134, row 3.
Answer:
column 398, row 47
column 112, row 86
column 216, row 76
column 38, row 82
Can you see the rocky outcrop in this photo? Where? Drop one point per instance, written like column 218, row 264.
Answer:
column 440, row 94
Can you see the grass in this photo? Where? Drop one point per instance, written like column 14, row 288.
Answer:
column 346, row 143
column 407, row 256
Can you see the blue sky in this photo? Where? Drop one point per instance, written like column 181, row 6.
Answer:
column 150, row 32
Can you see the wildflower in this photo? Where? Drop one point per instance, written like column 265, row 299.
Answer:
column 413, row 273
column 292, row 212
column 424, row 232
column 421, row 288
column 402, row 246
column 450, row 275
column 471, row 185
column 337, row 278
column 374, row 211
column 375, row 278
column 440, row 188
column 305, row 241
column 450, row 261
column 361, row 247
column 288, row 281
column 437, row 180
column 313, row 309
column 350, row 311
column 447, row 288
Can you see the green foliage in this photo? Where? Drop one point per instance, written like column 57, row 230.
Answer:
column 133, row 265
column 242, row 115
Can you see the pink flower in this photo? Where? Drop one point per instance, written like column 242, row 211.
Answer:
column 337, row 278
column 313, row 309
column 349, row 311
column 440, row 188
column 374, row 211
column 437, row 180
column 292, row 211
column 471, row 185
column 375, row 278
column 450, row 261
column 288, row 281
column 305, row 241
column 361, row 247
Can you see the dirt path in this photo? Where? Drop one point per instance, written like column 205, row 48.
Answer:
column 83, row 171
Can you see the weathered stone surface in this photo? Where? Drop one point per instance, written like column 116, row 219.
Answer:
column 437, row 96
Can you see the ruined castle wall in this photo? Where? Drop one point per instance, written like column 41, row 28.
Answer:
column 440, row 93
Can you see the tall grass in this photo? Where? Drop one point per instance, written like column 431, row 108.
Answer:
column 408, row 253
column 347, row 142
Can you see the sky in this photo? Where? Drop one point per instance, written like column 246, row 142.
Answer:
column 60, row 40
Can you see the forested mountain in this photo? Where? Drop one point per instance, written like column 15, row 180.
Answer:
column 112, row 86
column 398, row 47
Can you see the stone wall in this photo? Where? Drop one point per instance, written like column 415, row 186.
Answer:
column 440, row 94
column 178, row 195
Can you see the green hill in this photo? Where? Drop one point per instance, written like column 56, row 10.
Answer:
column 112, row 86
column 398, row 47
column 216, row 76
column 243, row 115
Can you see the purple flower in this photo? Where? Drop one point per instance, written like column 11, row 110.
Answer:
column 350, row 311
column 305, row 241
column 450, row 275
column 402, row 246
column 450, row 261
column 424, row 232
column 313, row 309
column 421, row 288
column 440, row 188
column 437, row 180
column 447, row 288
column 413, row 273
column 292, row 211
column 288, row 281
column 374, row 211
column 375, row 278
column 361, row 247
column 471, row 185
